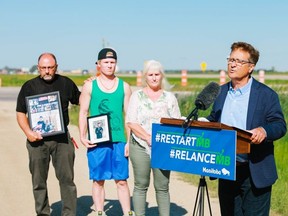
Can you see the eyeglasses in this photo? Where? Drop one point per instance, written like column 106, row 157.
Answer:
column 48, row 68
column 238, row 62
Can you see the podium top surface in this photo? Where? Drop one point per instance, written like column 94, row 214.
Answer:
column 243, row 137
column 212, row 125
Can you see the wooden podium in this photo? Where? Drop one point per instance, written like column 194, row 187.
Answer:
column 243, row 137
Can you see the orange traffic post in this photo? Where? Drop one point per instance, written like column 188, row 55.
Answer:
column 222, row 77
column 261, row 76
column 184, row 78
column 139, row 78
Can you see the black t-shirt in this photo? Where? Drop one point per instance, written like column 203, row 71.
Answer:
column 68, row 91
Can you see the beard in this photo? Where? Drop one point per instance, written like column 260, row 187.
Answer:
column 47, row 78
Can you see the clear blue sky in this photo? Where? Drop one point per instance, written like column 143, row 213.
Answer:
column 178, row 33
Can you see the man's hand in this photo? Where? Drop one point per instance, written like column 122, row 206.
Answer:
column 258, row 135
column 33, row 136
column 87, row 143
column 90, row 79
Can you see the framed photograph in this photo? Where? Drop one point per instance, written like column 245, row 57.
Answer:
column 99, row 129
column 45, row 113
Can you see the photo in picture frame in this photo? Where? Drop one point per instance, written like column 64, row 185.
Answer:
column 99, row 129
column 45, row 113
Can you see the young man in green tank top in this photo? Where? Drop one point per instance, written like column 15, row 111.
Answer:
column 107, row 94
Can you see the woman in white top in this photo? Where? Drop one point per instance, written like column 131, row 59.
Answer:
column 146, row 106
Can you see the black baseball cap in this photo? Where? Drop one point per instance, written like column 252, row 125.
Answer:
column 107, row 53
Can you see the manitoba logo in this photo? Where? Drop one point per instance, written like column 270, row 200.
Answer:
column 225, row 172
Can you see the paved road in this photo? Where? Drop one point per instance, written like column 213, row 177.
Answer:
column 8, row 93
column 15, row 182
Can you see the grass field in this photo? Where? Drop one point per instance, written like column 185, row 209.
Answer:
column 195, row 85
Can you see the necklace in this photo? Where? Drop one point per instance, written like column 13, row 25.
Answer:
column 108, row 88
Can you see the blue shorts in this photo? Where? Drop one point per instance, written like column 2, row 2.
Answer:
column 107, row 161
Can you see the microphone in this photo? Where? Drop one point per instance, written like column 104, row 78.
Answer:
column 203, row 101
column 207, row 96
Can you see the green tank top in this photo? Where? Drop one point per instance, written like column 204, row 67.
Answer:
column 112, row 104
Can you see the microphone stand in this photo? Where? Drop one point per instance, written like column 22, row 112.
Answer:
column 192, row 116
column 202, row 187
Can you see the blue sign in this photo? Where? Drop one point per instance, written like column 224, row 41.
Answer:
column 201, row 151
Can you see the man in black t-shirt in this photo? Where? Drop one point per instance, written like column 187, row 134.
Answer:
column 59, row 147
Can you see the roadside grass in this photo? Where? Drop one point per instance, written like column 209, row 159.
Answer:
column 186, row 104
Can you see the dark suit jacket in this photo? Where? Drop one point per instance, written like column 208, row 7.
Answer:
column 263, row 111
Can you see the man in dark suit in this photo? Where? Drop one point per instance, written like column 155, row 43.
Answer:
column 250, row 105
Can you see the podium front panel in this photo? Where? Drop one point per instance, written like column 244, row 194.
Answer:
column 199, row 151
